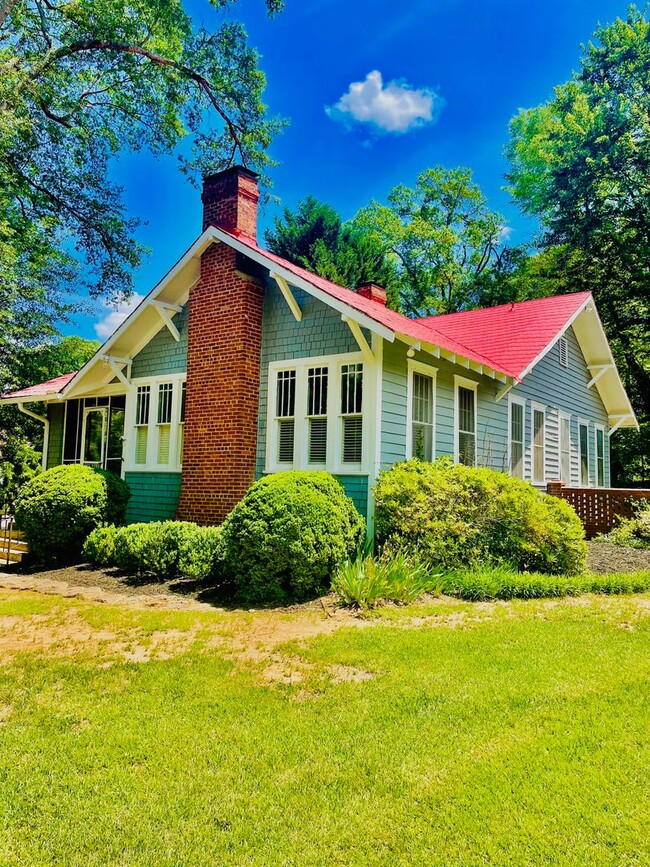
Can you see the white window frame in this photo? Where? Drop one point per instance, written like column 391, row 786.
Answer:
column 334, row 463
column 152, row 465
column 471, row 384
column 520, row 401
column 538, row 407
column 601, row 428
column 583, row 422
column 432, row 372
column 566, row 417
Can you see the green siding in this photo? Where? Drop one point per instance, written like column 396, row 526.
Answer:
column 164, row 355
column 55, row 414
column 356, row 487
column 557, row 387
column 154, row 496
column 320, row 332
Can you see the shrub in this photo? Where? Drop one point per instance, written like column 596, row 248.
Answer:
column 456, row 516
column 58, row 508
column 632, row 532
column 166, row 549
column 288, row 535
column 400, row 577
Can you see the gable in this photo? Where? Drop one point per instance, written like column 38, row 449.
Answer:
column 163, row 354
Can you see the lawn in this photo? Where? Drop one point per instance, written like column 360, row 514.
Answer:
column 451, row 733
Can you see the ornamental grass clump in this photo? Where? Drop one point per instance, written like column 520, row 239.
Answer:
column 288, row 535
column 369, row 581
column 456, row 516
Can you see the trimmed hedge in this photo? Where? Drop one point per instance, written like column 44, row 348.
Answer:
column 57, row 509
column 166, row 549
column 287, row 536
column 457, row 516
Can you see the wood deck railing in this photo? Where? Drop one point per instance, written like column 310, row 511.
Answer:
column 598, row 508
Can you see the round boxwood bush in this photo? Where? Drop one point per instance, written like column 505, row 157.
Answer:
column 288, row 535
column 472, row 516
column 57, row 509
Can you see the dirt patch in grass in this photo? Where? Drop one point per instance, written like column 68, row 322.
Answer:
column 604, row 558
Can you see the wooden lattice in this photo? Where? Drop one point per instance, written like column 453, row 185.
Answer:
column 598, row 508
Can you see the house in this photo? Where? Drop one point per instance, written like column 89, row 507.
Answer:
column 239, row 363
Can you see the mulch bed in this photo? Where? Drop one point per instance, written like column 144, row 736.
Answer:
column 603, row 558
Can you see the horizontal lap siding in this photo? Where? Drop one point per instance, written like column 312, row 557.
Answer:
column 154, row 496
column 55, row 414
column 163, row 355
column 320, row 332
column 356, row 487
column 565, row 389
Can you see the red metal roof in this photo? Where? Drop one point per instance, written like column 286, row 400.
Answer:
column 33, row 392
column 507, row 338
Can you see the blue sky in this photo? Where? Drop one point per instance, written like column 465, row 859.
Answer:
column 417, row 83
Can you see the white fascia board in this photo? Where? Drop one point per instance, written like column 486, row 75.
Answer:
column 197, row 248
column 343, row 308
column 555, row 339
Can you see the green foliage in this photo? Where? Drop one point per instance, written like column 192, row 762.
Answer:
column 118, row 495
column 455, row 515
column 20, row 463
column 580, row 163
column 482, row 584
column 399, row 577
column 166, row 549
column 314, row 237
column 632, row 532
column 81, row 82
column 57, row 509
column 443, row 238
column 288, row 535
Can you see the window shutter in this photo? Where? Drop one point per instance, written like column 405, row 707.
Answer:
column 352, row 439
column 141, row 434
column 285, row 441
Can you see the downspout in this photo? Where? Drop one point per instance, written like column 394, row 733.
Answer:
column 46, row 430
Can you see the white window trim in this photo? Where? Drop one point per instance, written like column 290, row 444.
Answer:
column 461, row 381
column 425, row 370
column 567, row 416
column 538, row 407
column 600, row 427
column 521, row 401
column 151, row 465
column 584, row 422
column 334, row 463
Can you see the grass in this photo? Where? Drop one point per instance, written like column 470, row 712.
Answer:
column 509, row 733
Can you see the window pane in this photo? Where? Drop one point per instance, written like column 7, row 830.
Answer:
column 165, row 390
column 94, row 439
column 164, row 438
column 600, row 457
column 141, row 434
column 142, row 404
column 286, row 396
column 317, row 391
column 285, row 441
column 422, row 446
column 317, row 440
column 565, row 448
column 352, row 439
column 72, row 444
column 584, row 454
column 351, row 388
column 466, row 412
column 539, row 470
column 517, row 439
column 422, row 398
column 467, row 448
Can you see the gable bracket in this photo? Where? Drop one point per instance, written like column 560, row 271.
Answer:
column 357, row 333
column 501, row 393
column 114, row 364
column 601, row 369
column 165, row 311
column 288, row 295
column 621, row 419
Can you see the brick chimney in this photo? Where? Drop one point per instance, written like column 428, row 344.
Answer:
column 372, row 291
column 223, row 359
column 230, row 200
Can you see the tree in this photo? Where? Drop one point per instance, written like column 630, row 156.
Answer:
column 581, row 164
column 81, row 82
column 443, row 238
column 314, row 237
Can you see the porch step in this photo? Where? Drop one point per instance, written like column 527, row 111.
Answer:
column 13, row 545
column 10, row 556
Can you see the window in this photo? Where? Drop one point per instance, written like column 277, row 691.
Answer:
column 465, row 421
column 285, row 415
column 317, row 380
column 583, row 440
column 181, row 423
column 517, row 411
column 563, row 351
column 93, row 432
column 539, row 444
column 565, row 449
column 351, row 406
column 600, row 457
column 142, row 401
column 421, row 403
column 164, row 421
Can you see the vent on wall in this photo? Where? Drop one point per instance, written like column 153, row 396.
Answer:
column 563, row 349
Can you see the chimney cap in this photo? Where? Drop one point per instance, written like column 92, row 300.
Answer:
column 232, row 170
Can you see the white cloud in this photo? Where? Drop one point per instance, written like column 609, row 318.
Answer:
column 106, row 326
column 395, row 107
column 505, row 233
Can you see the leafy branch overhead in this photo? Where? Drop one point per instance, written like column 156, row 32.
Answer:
column 84, row 80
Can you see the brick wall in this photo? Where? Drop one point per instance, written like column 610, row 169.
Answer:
column 230, row 200
column 223, row 374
